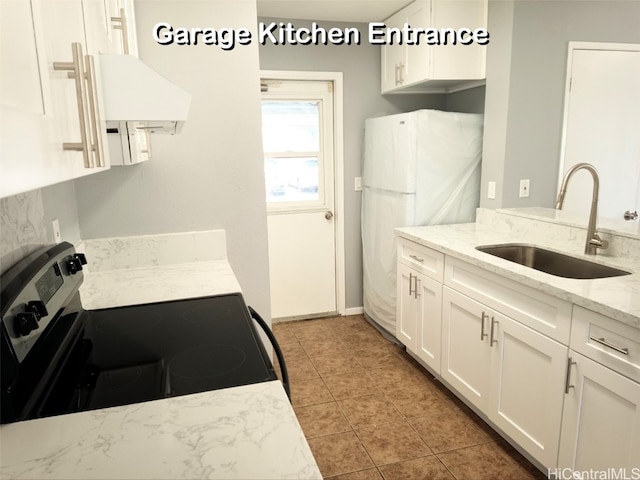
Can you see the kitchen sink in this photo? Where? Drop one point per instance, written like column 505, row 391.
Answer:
column 550, row 262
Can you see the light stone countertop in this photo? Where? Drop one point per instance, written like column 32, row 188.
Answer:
column 154, row 268
column 248, row 432
column 617, row 297
column 132, row 286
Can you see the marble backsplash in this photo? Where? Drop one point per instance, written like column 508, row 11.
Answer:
column 22, row 227
column 565, row 232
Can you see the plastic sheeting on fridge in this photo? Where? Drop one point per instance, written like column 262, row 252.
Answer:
column 420, row 168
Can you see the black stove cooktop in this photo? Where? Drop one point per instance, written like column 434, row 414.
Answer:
column 58, row 358
column 146, row 352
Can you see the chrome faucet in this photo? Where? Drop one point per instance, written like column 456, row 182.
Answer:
column 593, row 239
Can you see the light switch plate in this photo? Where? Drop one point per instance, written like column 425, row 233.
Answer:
column 491, row 190
column 57, row 237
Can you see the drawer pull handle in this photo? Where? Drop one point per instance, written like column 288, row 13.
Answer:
column 567, row 382
column 482, row 334
column 417, row 259
column 602, row 341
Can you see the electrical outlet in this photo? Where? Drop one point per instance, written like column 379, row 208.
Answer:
column 57, row 237
column 491, row 190
column 358, row 184
column 524, row 188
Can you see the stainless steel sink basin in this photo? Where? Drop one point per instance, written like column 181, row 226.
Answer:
column 550, row 262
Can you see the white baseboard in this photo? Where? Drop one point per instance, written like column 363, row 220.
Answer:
column 354, row 311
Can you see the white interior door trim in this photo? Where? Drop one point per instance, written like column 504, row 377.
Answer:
column 338, row 175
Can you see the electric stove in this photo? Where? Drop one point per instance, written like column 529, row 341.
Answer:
column 58, row 358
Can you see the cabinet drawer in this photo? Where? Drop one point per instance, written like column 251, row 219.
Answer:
column 422, row 259
column 544, row 313
column 607, row 341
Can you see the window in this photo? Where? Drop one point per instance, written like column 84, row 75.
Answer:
column 292, row 150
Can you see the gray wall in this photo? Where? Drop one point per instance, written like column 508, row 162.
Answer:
column 525, row 87
column 209, row 176
column 362, row 99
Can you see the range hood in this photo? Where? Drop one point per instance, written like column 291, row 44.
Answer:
column 133, row 92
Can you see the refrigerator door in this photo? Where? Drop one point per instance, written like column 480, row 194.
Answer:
column 390, row 153
column 382, row 211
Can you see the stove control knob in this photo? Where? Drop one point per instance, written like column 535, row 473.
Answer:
column 25, row 322
column 74, row 264
column 81, row 257
column 38, row 308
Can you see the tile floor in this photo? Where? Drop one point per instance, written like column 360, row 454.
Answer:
column 369, row 411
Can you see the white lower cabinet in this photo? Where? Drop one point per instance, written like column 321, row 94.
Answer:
column 501, row 346
column 528, row 373
column 418, row 324
column 560, row 381
column 466, row 356
column 601, row 420
column 510, row 372
column 407, row 308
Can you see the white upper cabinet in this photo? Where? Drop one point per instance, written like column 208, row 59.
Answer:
column 113, row 28
column 51, row 97
column 425, row 68
column 19, row 75
column 101, row 38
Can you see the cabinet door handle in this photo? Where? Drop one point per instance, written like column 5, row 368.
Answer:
column 416, row 258
column 493, row 323
column 602, row 341
column 567, row 382
column 75, row 70
column 120, row 23
column 415, row 289
column 401, row 73
column 92, row 88
column 482, row 334
column 410, row 282
column 397, row 76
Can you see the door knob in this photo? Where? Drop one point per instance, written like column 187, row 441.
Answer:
column 629, row 215
column 328, row 215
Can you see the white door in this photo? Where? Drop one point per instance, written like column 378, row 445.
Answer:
column 602, row 127
column 298, row 142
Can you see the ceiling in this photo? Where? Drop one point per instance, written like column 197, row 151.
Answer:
column 351, row 11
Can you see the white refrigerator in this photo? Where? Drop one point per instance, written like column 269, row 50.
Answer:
column 420, row 168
